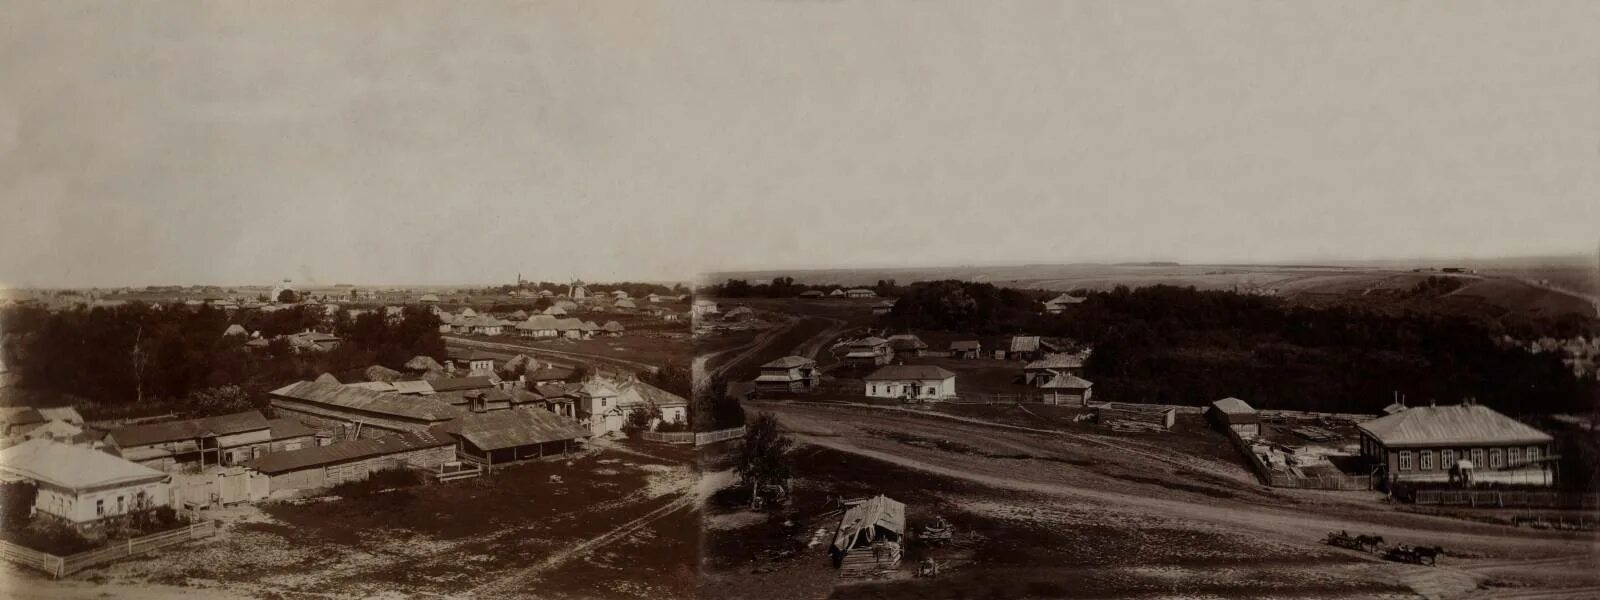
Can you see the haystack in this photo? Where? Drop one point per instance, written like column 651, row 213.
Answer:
column 328, row 378
column 381, row 373
column 424, row 363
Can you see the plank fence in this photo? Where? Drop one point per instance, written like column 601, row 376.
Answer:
column 1506, row 499
column 62, row 566
column 698, row 438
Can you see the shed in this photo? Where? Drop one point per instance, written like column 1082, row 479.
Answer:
column 1136, row 417
column 508, row 436
column 1235, row 414
column 866, row 529
column 354, row 460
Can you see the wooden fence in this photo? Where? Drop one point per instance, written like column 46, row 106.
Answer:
column 62, row 566
column 698, row 438
column 1275, row 478
column 1505, row 499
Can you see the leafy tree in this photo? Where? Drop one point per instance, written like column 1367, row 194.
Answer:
column 288, row 297
column 764, row 457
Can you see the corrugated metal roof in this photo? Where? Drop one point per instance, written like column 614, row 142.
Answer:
column 290, row 460
column 512, row 428
column 903, row 372
column 412, row 407
column 72, row 467
column 1443, row 425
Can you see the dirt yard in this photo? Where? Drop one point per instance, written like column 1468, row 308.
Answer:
column 620, row 524
column 1080, row 514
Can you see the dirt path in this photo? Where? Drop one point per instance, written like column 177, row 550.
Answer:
column 517, row 582
column 820, row 426
column 811, row 347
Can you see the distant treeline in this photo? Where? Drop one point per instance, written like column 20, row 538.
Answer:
column 1166, row 344
column 134, row 358
column 634, row 289
column 785, row 287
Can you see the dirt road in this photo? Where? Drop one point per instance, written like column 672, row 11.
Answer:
column 1135, row 485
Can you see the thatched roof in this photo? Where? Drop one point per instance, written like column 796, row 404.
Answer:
column 327, row 378
column 381, row 373
column 424, row 363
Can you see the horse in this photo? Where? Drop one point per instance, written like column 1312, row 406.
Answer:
column 1428, row 555
column 1369, row 543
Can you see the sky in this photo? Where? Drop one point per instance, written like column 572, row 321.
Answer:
column 181, row 142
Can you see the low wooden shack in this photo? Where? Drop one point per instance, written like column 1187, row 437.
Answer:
column 1235, row 414
column 354, row 460
column 506, row 436
column 1135, row 417
column 869, row 537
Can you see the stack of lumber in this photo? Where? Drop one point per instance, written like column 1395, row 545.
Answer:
column 861, row 563
column 1134, row 426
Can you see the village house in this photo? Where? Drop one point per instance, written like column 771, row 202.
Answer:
column 1235, row 414
column 361, row 413
column 82, row 486
column 919, row 382
column 313, row 341
column 470, row 360
column 560, row 398
column 836, row 293
column 790, row 374
column 868, row 351
column 860, row 293
column 555, row 311
column 883, row 308
column 968, row 349
column 1028, row 347
column 482, row 325
column 702, row 308
column 1464, row 443
column 811, row 294
column 1064, row 388
column 539, row 326
column 1054, row 364
column 612, row 328
column 624, row 305
column 906, row 344
column 62, row 423
column 1059, row 304
column 352, row 460
column 501, row 437
column 598, row 407
column 633, row 394
column 220, row 440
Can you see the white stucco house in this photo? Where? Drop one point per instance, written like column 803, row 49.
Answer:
column 925, row 382
column 80, row 485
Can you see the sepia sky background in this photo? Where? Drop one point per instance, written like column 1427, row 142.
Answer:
column 434, row 142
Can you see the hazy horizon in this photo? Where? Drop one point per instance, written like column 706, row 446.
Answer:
column 193, row 142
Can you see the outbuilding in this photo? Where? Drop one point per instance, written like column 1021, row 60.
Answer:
column 1235, row 414
column 80, row 485
column 354, row 460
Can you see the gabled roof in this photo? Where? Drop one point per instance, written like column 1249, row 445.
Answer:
column 72, row 467
column 543, row 322
column 1056, row 361
column 625, row 303
column 612, row 326
column 1459, row 424
column 61, row 413
column 1025, row 343
column 468, row 354
column 869, row 342
column 905, row 372
column 878, row 511
column 173, row 431
column 636, row 392
column 412, row 407
column 551, row 373
column 512, row 428
column 1065, row 299
column 789, row 362
column 1064, row 381
column 290, row 460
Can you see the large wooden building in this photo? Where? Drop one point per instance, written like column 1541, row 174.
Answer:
column 911, row 382
column 790, row 374
column 363, row 413
column 220, row 440
column 1464, row 442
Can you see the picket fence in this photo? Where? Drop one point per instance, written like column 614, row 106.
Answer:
column 1505, row 499
column 698, row 438
column 62, row 566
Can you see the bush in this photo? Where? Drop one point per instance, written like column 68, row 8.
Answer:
column 49, row 535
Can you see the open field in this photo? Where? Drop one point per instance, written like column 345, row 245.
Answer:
column 619, row 525
column 1500, row 288
column 1060, row 515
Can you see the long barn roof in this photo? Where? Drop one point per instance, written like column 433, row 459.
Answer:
column 422, row 408
column 500, row 429
column 290, row 460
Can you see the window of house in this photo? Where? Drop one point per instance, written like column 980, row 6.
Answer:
column 1533, row 454
column 1447, row 458
column 1495, row 458
column 1427, row 460
column 120, row 507
column 99, row 507
column 1405, row 460
column 1477, row 456
column 1513, row 456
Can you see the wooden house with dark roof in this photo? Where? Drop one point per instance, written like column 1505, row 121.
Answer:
column 220, row 440
column 362, row 413
column 1464, row 443
column 352, row 460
